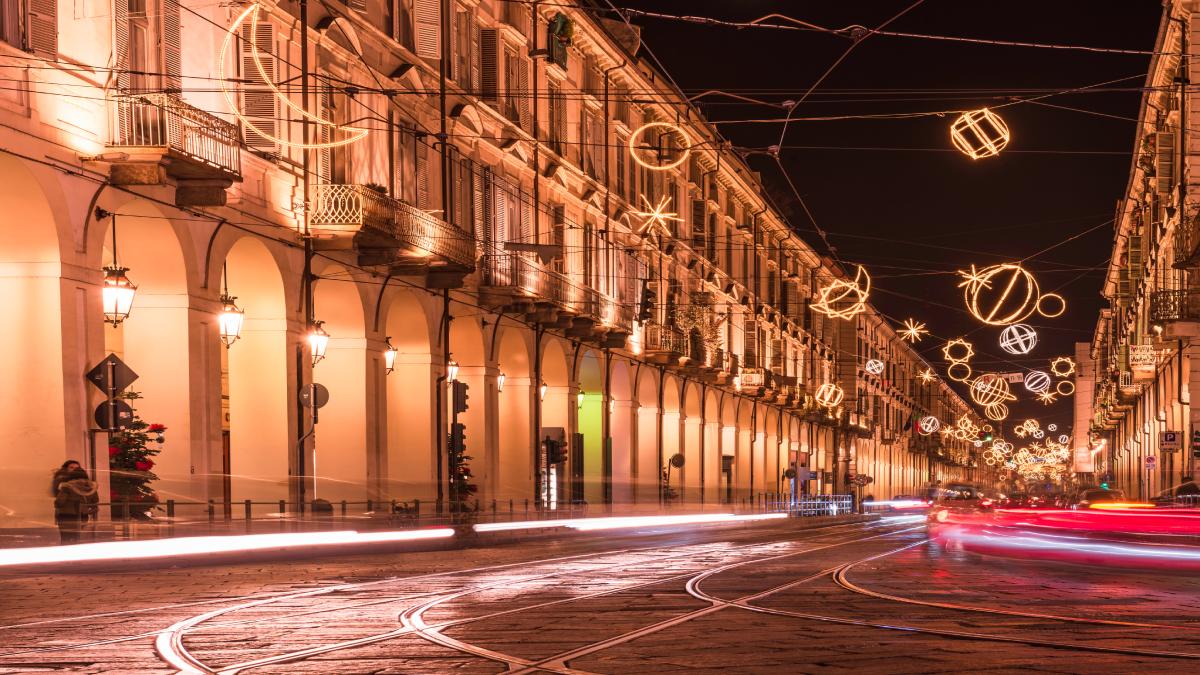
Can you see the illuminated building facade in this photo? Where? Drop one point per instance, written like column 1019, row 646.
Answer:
column 450, row 192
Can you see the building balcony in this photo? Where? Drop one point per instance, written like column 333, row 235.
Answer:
column 1177, row 310
column 164, row 140
column 388, row 231
column 666, row 344
column 517, row 283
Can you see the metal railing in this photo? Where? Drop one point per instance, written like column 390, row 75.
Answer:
column 1175, row 305
column 660, row 338
column 522, row 275
column 165, row 121
column 349, row 208
column 805, row 505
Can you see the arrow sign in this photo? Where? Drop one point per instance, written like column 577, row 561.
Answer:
column 122, row 375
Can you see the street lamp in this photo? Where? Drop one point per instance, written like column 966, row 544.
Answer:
column 389, row 355
column 452, row 371
column 318, row 341
column 542, row 392
column 500, row 382
column 116, row 294
column 579, row 399
column 231, row 318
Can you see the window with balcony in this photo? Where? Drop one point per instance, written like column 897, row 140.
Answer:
column 31, row 25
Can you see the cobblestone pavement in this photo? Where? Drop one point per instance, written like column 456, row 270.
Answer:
column 750, row 600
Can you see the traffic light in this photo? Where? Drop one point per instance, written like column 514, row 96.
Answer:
column 1104, row 485
column 1196, row 444
column 987, row 437
column 556, row 453
column 646, row 306
column 458, row 438
column 459, row 390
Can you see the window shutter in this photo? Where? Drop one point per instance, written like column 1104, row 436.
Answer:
column 422, row 177
column 527, row 235
column 171, row 45
column 698, row 212
column 1166, row 156
column 427, row 15
column 478, row 186
column 10, row 10
column 489, row 87
column 500, row 209
column 42, row 28
column 121, row 42
column 259, row 104
column 524, row 116
column 324, row 155
column 475, row 72
column 750, row 344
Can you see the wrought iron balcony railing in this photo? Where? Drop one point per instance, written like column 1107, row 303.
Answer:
column 661, row 338
column 165, row 122
column 346, row 209
column 1181, row 304
column 521, row 275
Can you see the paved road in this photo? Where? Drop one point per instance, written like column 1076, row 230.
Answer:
column 769, row 598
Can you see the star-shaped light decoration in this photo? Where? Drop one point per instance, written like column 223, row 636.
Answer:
column 912, row 331
column 1047, row 397
column 655, row 217
column 968, row 351
column 927, row 375
column 974, row 279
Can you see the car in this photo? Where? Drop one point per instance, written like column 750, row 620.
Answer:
column 959, row 498
column 1085, row 498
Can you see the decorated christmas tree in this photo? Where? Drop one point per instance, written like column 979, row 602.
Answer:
column 130, row 460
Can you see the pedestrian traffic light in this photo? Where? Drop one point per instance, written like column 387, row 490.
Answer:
column 646, row 306
column 1104, row 485
column 459, row 389
column 458, row 438
column 1196, row 444
column 556, row 453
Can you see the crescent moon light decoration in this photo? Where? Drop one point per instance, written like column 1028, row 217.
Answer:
column 355, row 133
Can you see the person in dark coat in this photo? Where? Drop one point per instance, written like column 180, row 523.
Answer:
column 60, row 474
column 77, row 501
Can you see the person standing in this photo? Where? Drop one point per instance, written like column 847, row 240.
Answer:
column 76, row 502
column 60, row 475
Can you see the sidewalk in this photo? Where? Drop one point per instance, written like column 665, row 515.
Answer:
column 238, row 542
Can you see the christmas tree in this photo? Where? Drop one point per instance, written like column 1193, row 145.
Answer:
column 130, row 460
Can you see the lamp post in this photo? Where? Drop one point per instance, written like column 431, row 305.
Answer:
column 318, row 341
column 389, row 355
column 452, row 371
column 500, row 382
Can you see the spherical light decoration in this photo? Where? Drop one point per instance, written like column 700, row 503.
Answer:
column 978, row 444
column 1019, row 338
column 829, row 395
column 1003, row 294
column 996, row 411
column 1037, row 381
column 1065, row 387
column 989, row 389
column 928, row 425
column 1062, row 366
column 844, row 299
column 657, row 156
column 979, row 133
column 1039, row 434
column 874, row 366
column 1064, row 439
column 959, row 371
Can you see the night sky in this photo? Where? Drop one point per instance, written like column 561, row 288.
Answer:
column 905, row 203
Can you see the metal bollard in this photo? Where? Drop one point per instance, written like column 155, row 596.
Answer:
column 370, row 504
column 417, row 509
column 526, row 507
column 343, row 508
column 246, row 504
column 170, row 508
column 493, row 509
column 212, row 511
column 282, row 510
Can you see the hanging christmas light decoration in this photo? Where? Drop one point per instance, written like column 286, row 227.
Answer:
column 1019, row 338
column 979, row 133
column 912, row 331
column 1037, row 381
column 927, row 375
column 874, row 366
column 843, row 299
column 829, row 395
column 659, row 151
column 1047, row 397
column 655, row 217
column 928, row 425
column 958, row 350
column 959, row 371
column 996, row 412
column 1064, row 439
column 1065, row 387
column 991, row 389
column 266, row 79
column 1004, row 294
column 1062, row 366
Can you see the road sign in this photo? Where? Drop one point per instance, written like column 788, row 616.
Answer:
column 1151, row 462
column 314, row 393
column 1168, row 441
column 1013, row 377
column 120, row 415
column 122, row 375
